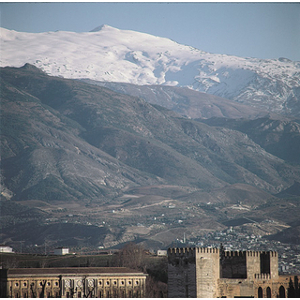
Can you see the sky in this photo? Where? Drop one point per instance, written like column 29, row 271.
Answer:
column 263, row 30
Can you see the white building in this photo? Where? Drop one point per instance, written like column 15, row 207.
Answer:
column 61, row 251
column 162, row 252
column 6, row 249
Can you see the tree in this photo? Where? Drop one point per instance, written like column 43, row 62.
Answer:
column 294, row 288
column 156, row 289
column 131, row 256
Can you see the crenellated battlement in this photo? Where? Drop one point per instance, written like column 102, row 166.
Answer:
column 258, row 253
column 234, row 253
column 188, row 251
column 208, row 250
column 191, row 251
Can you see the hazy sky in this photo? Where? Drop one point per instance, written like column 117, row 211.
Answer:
column 263, row 30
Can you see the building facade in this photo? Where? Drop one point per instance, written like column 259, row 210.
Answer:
column 72, row 283
column 213, row 272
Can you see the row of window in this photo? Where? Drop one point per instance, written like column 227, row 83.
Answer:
column 101, row 294
column 24, row 284
column 114, row 282
column 101, row 282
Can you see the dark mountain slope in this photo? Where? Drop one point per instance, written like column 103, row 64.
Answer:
column 185, row 101
column 281, row 137
column 44, row 158
column 292, row 191
column 67, row 139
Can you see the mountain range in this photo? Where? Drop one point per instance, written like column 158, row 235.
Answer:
column 113, row 55
column 125, row 130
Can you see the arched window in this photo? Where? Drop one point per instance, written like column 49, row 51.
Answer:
column 260, row 292
column 281, row 292
column 269, row 292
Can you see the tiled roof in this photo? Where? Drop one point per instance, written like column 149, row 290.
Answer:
column 72, row 271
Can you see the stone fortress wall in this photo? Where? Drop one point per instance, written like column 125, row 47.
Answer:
column 213, row 272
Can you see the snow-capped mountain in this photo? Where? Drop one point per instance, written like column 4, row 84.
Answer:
column 110, row 54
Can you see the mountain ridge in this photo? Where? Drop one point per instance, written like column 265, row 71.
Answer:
column 185, row 101
column 116, row 55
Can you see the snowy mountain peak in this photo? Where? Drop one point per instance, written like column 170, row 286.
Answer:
column 114, row 55
column 103, row 27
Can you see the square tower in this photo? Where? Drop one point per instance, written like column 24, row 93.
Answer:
column 193, row 272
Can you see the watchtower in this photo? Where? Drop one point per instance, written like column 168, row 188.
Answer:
column 193, row 272
column 262, row 264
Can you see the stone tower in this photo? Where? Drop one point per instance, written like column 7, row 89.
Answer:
column 262, row 263
column 193, row 272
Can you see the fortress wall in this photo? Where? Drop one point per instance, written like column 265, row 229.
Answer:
column 232, row 288
column 212, row 273
column 233, row 264
column 181, row 273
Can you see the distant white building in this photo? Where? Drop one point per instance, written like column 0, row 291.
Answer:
column 61, row 251
column 162, row 253
column 6, row 249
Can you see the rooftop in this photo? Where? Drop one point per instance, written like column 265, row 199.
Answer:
column 70, row 271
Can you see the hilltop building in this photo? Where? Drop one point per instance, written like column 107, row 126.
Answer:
column 213, row 272
column 162, row 253
column 61, row 251
column 5, row 249
column 72, row 283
